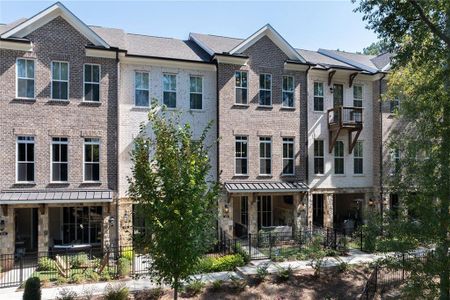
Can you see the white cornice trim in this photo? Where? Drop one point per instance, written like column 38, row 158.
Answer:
column 233, row 60
column 100, row 53
column 295, row 67
column 47, row 15
column 20, row 46
column 166, row 63
column 336, row 56
column 270, row 32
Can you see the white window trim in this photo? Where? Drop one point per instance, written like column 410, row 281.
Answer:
column 240, row 88
column 17, row 78
column 196, row 93
column 235, row 158
column 362, row 95
column 134, row 90
column 163, row 90
column 271, row 154
column 285, row 91
column 293, row 159
column 260, row 89
column 343, row 159
column 17, row 159
column 51, row 158
column 60, row 80
column 314, row 158
column 99, row 159
column 99, row 81
column 317, row 96
column 361, row 157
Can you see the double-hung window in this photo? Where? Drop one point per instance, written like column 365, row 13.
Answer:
column 288, row 156
column 339, row 157
column 196, row 92
column 244, row 210
column 59, row 159
column 265, row 90
column 318, row 96
column 25, row 78
column 241, row 87
column 141, row 89
column 288, row 91
column 170, row 90
column 358, row 167
column 91, row 159
column 92, row 83
column 318, row 157
column 25, row 159
column 357, row 96
column 265, row 156
column 241, row 155
column 60, row 80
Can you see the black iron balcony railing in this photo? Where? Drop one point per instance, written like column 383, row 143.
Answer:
column 345, row 116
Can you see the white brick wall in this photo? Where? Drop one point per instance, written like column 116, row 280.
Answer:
column 130, row 117
column 318, row 129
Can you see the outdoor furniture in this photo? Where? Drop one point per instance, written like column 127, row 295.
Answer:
column 72, row 247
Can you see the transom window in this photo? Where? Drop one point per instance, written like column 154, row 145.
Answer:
column 288, row 91
column 244, row 210
column 339, row 158
column 196, row 92
column 265, row 89
column 358, row 158
column 318, row 157
column 318, row 96
column 60, row 80
column 357, row 96
column 25, row 159
column 59, row 159
column 241, row 87
column 141, row 89
column 265, row 156
column 288, row 156
column 91, row 83
column 170, row 90
column 25, row 78
column 241, row 155
column 91, row 159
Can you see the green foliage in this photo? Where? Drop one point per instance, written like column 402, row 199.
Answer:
column 219, row 264
column 123, row 267
column 371, row 230
column 32, row 289
column 77, row 260
column 128, row 253
column 105, row 275
column 262, row 272
column 317, row 255
column 173, row 195
column 284, row 274
column 217, row 285
column 46, row 264
column 66, row 294
column 376, row 48
column 194, row 288
column 116, row 292
column 92, row 276
column 342, row 266
column 77, row 278
column 237, row 284
column 61, row 280
column 245, row 255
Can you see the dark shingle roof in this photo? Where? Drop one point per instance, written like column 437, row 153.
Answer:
column 218, row 44
column 274, row 187
column 326, row 61
column 382, row 60
column 6, row 27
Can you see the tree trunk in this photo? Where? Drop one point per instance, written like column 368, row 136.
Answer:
column 175, row 289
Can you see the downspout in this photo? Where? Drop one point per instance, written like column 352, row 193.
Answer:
column 217, row 142
column 381, row 152
column 306, row 145
column 116, row 147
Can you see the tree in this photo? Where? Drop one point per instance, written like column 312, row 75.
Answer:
column 173, row 195
column 418, row 32
column 376, row 48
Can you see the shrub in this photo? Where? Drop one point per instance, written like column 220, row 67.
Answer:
column 220, row 264
column 149, row 294
column 78, row 259
column 66, row 294
column 32, row 289
column 116, row 292
column 261, row 272
column 105, row 276
column 284, row 274
column 217, row 285
column 92, row 276
column 46, row 264
column 61, row 280
column 124, row 267
column 237, row 284
column 243, row 253
column 317, row 260
column 128, row 253
column 194, row 288
column 77, row 278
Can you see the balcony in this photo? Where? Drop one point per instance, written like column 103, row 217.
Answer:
column 344, row 118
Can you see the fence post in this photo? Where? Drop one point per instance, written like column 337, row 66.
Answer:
column 270, row 245
column 250, row 245
column 21, row 270
column 335, row 239
column 403, row 266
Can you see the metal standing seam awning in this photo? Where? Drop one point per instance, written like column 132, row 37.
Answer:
column 55, row 197
column 272, row 187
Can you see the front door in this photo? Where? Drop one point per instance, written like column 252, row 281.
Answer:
column 26, row 224
column 318, row 210
column 265, row 215
column 338, row 100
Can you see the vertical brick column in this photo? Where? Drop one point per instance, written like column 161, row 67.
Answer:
column 308, row 198
column 43, row 234
column 226, row 219
column 299, row 212
column 7, row 237
column 328, row 210
column 125, row 222
column 107, row 228
column 252, row 214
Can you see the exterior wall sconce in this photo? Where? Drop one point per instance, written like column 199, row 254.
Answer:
column 371, row 202
column 111, row 221
column 2, row 225
column 226, row 211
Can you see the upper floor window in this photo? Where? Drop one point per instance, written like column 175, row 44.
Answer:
column 59, row 159
column 394, row 105
column 288, row 91
column 170, row 90
column 91, row 83
column 357, row 96
column 196, row 92
column 91, row 159
column 25, row 159
column 241, row 87
column 358, row 158
column 288, row 156
column 265, row 89
column 318, row 157
column 339, row 157
column 60, row 80
column 25, row 78
column 265, row 156
column 241, row 155
column 318, row 96
column 141, row 89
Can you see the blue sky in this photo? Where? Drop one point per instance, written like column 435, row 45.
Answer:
column 304, row 24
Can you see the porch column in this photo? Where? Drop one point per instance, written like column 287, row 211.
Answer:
column 252, row 214
column 299, row 213
column 7, row 236
column 225, row 207
column 365, row 207
column 328, row 210
column 107, row 226
column 43, row 229
column 308, row 198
